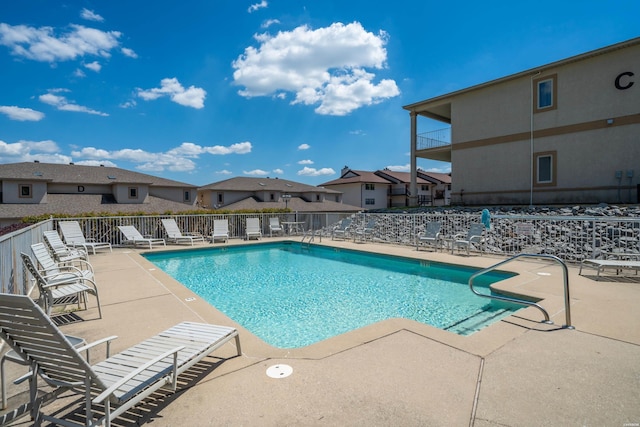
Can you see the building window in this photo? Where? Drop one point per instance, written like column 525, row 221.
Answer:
column 220, row 198
column 545, row 92
column 369, row 201
column 424, row 187
column 545, row 168
column 133, row 192
column 187, row 195
column 25, row 191
column 369, row 186
column 317, row 197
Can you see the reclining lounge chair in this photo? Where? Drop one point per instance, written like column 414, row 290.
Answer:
column 73, row 236
column 133, row 237
column 175, row 235
column 121, row 381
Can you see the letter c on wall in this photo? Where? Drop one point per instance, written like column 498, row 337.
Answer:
column 621, row 86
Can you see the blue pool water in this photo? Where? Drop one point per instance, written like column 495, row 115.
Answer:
column 291, row 296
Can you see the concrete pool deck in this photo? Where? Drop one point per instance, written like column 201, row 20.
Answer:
column 517, row 372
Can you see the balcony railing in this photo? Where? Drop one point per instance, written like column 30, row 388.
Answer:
column 434, row 139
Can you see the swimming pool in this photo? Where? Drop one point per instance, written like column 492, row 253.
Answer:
column 292, row 296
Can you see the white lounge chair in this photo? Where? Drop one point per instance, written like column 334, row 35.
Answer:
column 475, row 235
column 274, row 226
column 54, row 291
column 253, row 228
column 365, row 232
column 342, row 230
column 120, row 381
column 431, row 235
column 73, row 236
column 616, row 264
column 55, row 271
column 60, row 251
column 133, row 237
column 175, row 235
column 220, row 230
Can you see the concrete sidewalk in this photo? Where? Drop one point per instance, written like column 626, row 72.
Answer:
column 517, row 372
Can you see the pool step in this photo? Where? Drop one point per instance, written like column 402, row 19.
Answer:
column 477, row 321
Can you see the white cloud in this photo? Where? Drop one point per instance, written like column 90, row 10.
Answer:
column 357, row 132
column 94, row 66
column 79, row 73
column 106, row 163
column 256, row 172
column 305, row 162
column 401, row 168
column 257, row 6
column 42, row 44
column 316, row 172
column 89, row 15
column 269, row 22
column 128, row 52
column 176, row 159
column 61, row 103
column 224, row 172
column 28, row 151
column 304, row 147
column 191, row 97
column 324, row 67
column 278, row 171
column 21, row 114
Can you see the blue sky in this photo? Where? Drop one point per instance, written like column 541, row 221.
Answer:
column 201, row 91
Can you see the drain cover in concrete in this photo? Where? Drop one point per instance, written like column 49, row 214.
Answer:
column 279, row 371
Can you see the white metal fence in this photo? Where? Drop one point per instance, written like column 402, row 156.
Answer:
column 570, row 238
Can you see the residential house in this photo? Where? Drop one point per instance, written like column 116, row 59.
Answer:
column 248, row 193
column 565, row 132
column 385, row 188
column 34, row 189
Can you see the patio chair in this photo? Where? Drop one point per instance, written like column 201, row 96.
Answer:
column 342, row 230
column 73, row 236
column 475, row 235
column 119, row 382
column 253, row 228
column 133, row 237
column 365, row 232
column 175, row 235
column 274, row 226
column 60, row 251
column 430, row 236
column 55, row 271
column 55, row 291
column 220, row 230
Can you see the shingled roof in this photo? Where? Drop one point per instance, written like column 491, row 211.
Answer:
column 70, row 173
column 244, row 183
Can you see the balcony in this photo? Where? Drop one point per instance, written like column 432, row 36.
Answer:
column 434, row 145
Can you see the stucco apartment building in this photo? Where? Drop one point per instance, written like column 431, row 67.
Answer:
column 565, row 132
column 384, row 188
column 34, row 189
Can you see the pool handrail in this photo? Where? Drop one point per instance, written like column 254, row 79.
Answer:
column 567, row 306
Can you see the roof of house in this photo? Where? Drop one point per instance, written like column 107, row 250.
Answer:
column 400, row 177
column 251, row 184
column 435, row 177
column 79, row 174
column 78, row 204
column 359, row 176
column 295, row 204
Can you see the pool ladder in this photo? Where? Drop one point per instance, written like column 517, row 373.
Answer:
column 567, row 305
column 311, row 234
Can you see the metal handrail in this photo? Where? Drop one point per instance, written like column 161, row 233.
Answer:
column 567, row 305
